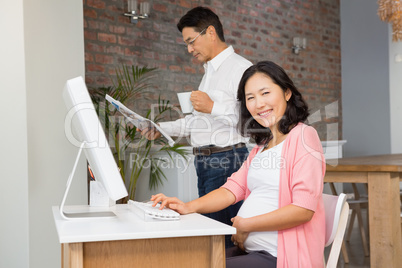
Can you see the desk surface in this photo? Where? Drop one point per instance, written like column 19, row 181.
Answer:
column 126, row 225
column 375, row 163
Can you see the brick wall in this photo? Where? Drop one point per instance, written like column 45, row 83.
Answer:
column 258, row 30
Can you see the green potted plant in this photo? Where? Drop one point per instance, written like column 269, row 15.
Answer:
column 129, row 85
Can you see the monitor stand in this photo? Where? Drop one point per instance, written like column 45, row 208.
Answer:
column 81, row 215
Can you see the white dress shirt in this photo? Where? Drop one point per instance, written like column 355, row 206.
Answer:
column 220, row 82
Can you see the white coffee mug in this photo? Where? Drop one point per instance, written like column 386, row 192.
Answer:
column 185, row 103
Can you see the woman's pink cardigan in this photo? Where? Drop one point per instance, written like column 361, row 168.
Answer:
column 301, row 184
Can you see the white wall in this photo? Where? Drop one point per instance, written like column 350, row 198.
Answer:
column 43, row 46
column 365, row 79
column 14, row 221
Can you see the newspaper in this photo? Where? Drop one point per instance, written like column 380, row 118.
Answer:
column 137, row 120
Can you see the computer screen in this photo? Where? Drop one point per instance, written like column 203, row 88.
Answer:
column 83, row 128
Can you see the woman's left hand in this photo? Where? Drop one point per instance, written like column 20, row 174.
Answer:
column 241, row 235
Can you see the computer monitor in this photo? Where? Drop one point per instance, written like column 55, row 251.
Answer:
column 84, row 130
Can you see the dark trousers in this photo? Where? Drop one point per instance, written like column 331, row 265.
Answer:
column 237, row 258
column 212, row 172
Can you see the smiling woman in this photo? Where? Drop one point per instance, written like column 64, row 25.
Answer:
column 265, row 100
column 270, row 103
column 281, row 222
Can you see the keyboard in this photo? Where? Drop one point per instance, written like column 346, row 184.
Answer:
column 149, row 213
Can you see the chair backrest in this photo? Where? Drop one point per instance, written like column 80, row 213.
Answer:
column 336, row 218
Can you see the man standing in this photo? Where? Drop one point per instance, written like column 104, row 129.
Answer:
column 218, row 147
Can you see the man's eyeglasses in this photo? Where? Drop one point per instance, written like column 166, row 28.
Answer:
column 191, row 42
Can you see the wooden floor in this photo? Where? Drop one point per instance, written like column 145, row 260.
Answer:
column 355, row 249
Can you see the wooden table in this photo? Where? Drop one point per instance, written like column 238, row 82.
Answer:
column 382, row 173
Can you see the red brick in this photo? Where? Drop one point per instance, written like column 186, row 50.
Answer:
column 97, row 25
column 150, row 35
column 103, row 80
column 159, row 7
column 254, row 13
column 104, row 59
column 95, row 68
column 89, row 13
column 89, row 35
column 242, row 10
column 276, row 4
column 107, row 17
column 90, row 46
column 161, row 27
column 115, row 50
column 248, row 52
column 123, row 20
column 175, row 68
column 247, row 36
column 104, row 37
column 143, row 44
column 161, row 66
column 89, row 57
column 131, row 52
column 269, row 9
column 166, row 57
column 126, row 41
column 151, row 55
column 117, row 29
column 191, row 70
column 96, row 4
column 184, row 3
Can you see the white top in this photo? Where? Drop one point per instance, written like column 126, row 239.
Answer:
column 127, row 225
column 263, row 183
column 220, row 82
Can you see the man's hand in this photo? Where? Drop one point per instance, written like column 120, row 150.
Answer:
column 201, row 102
column 150, row 133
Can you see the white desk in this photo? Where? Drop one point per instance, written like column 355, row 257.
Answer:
column 127, row 241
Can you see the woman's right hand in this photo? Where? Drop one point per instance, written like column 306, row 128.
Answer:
column 172, row 203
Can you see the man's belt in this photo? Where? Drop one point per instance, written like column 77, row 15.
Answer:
column 215, row 149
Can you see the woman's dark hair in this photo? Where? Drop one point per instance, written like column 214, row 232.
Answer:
column 200, row 18
column 296, row 110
